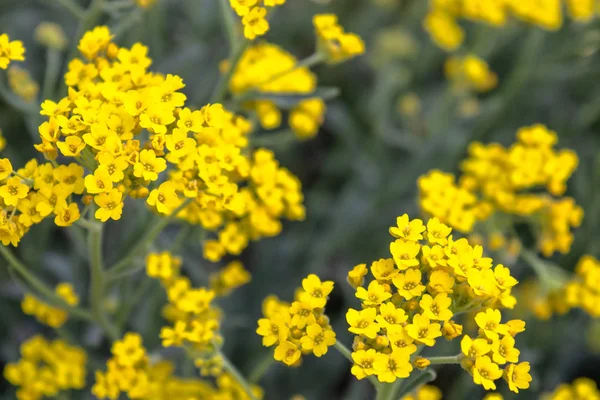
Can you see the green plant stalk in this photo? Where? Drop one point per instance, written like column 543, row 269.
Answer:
column 444, row 360
column 140, row 247
column 72, row 7
column 38, row 285
column 415, row 381
column 229, row 367
column 220, row 92
column 97, row 282
column 387, row 391
column 53, row 61
column 261, row 368
column 551, row 276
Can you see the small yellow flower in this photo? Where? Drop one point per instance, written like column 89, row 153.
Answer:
column 485, row 372
column 99, row 182
column 364, row 363
column 111, row 205
column 517, row 376
column 437, row 308
column 409, row 284
column 149, row 165
column 393, row 366
column 287, row 352
column 318, row 339
column 355, row 276
column 316, row 291
column 363, row 322
column 375, row 295
column 6, row 169
column 423, row 331
column 255, row 23
column 13, row 191
column 67, row 215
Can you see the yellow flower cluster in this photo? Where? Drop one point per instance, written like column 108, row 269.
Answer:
column 499, row 179
column 254, row 15
column 273, row 192
column 46, row 368
column 580, row 389
column 425, row 392
column 195, row 320
column 229, row 278
column 470, row 73
column 112, row 99
column 22, row 84
column 10, row 51
column 51, row 35
column 332, row 41
column 413, row 296
column 300, row 327
column 47, row 314
column 267, row 68
column 442, row 20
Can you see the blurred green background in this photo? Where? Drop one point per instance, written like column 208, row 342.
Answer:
column 358, row 174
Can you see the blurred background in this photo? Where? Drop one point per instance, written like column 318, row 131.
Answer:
column 395, row 119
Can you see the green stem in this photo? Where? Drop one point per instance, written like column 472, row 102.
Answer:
column 97, row 282
column 415, row 381
column 127, row 22
column 51, row 74
column 38, row 285
column 182, row 235
column 231, row 26
column 140, row 247
column 551, row 276
column 387, row 391
column 229, row 367
column 72, row 7
column 444, row 360
column 133, row 301
column 261, row 368
column 220, row 92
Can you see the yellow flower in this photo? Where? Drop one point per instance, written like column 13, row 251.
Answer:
column 164, row 198
column 287, row 352
column 375, row 295
column 409, row 284
column 272, row 332
column 71, row 147
column 451, row 330
column 444, row 30
column 111, row 205
column 363, row 322
column 393, row 366
column 399, row 339
column 384, row 269
column 10, row 51
column 302, row 314
column 355, row 276
column 389, row 316
column 485, row 372
column 423, row 331
column 149, row 165
column 407, row 229
column 6, row 169
column 504, row 350
column 316, row 291
column 437, row 233
column 405, row 253
column 129, row 350
column 13, row 191
column 67, row 215
column 99, row 182
column 364, row 363
column 436, row 308
column 255, row 23
column 474, row 348
column 317, row 339
column 517, row 376
column 489, row 323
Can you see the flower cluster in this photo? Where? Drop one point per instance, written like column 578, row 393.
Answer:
column 113, row 99
column 499, row 180
column 300, row 327
column 254, row 15
column 22, row 84
column 470, row 73
column 46, row 368
column 580, row 389
column 442, row 20
column 47, row 314
column 229, row 278
column 332, row 41
column 267, row 68
column 414, row 295
column 10, row 51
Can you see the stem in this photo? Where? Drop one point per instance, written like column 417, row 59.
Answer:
column 97, row 282
column 551, row 276
column 444, row 360
column 229, row 21
column 140, row 247
column 229, row 367
column 129, row 305
column 72, row 7
column 53, row 58
column 387, row 391
column 261, row 368
column 41, row 287
column 127, row 22
column 179, row 240
column 221, row 90
column 415, row 381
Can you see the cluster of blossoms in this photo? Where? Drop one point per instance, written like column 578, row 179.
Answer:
column 412, row 300
column 442, row 19
column 101, row 125
column 46, row 368
column 582, row 290
column 254, row 15
column 470, row 73
column 580, row 389
column 332, row 41
column 10, row 51
column 300, row 327
column 22, row 84
column 501, row 181
column 267, row 68
column 133, row 372
column 47, row 314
